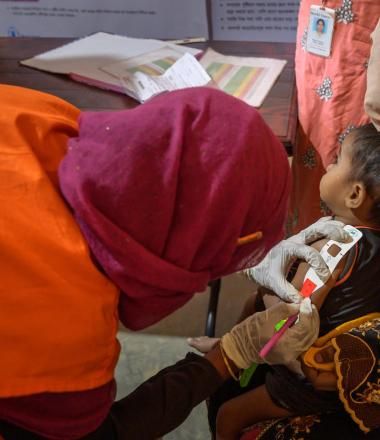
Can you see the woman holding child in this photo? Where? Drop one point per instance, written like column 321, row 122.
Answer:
column 65, row 260
column 331, row 97
column 121, row 217
column 349, row 309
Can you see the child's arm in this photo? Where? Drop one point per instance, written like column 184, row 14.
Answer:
column 319, row 295
column 321, row 380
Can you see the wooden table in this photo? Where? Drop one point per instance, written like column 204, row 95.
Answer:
column 279, row 108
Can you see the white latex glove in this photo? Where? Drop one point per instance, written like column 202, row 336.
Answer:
column 272, row 270
column 244, row 342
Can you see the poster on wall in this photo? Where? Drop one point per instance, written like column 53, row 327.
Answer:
column 255, row 20
column 164, row 19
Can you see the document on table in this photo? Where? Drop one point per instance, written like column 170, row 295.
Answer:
column 184, row 73
column 155, row 62
column 83, row 59
column 247, row 78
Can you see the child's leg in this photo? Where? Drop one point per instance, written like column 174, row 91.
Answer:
column 245, row 410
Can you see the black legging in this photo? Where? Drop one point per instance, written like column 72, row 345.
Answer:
column 155, row 408
column 163, row 402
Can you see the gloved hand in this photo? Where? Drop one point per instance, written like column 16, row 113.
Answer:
column 271, row 272
column 244, row 342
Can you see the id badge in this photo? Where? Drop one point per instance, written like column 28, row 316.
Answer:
column 321, row 29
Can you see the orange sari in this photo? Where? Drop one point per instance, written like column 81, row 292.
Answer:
column 58, row 313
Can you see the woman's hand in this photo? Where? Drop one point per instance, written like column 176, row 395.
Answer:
column 244, row 342
column 271, row 272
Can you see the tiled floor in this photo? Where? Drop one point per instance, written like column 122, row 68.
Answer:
column 142, row 356
column 145, row 353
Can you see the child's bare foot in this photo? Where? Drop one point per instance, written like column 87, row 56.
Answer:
column 204, row 344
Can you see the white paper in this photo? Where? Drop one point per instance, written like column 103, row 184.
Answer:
column 255, row 20
column 247, row 78
column 85, row 57
column 186, row 72
column 155, row 62
column 167, row 19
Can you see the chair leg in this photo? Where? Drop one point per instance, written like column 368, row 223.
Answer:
column 212, row 307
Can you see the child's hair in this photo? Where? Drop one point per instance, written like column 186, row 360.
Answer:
column 366, row 164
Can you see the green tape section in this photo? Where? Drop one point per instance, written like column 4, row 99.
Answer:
column 247, row 374
column 280, row 324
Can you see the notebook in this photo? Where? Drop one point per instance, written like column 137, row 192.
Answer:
column 83, row 59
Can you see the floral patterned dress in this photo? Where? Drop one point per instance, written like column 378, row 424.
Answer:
column 331, row 99
column 358, row 369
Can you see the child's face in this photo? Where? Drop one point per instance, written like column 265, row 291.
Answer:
column 336, row 184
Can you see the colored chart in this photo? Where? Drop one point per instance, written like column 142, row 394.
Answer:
column 156, row 67
column 235, row 80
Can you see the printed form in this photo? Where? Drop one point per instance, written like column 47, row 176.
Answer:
column 184, row 73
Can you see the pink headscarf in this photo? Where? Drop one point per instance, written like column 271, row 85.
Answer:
column 163, row 192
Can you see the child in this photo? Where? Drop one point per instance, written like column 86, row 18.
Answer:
column 351, row 189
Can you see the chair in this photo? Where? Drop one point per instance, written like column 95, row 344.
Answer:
column 215, row 287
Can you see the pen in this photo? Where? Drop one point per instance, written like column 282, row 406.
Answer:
column 306, row 291
column 188, row 40
column 276, row 337
column 249, row 238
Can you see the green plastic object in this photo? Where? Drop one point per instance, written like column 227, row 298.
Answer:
column 246, row 375
column 280, row 324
